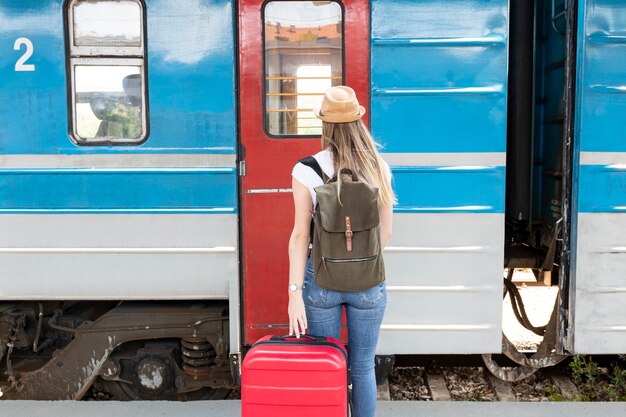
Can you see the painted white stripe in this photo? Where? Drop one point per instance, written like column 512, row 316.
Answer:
column 603, row 329
column 433, row 249
column 450, row 209
column 603, row 158
column 439, row 288
column 490, row 89
column 464, row 159
column 118, row 161
column 435, row 327
column 485, row 40
column 268, row 190
column 603, row 290
column 218, row 249
column 614, row 249
column 167, row 294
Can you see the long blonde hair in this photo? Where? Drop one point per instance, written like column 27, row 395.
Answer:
column 354, row 148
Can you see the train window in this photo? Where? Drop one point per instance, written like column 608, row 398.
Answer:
column 303, row 42
column 107, row 23
column 107, row 67
column 108, row 101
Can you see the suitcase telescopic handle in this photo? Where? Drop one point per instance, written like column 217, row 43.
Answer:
column 310, row 336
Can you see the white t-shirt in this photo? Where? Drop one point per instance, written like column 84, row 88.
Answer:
column 307, row 176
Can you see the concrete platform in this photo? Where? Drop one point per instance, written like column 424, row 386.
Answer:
column 233, row 409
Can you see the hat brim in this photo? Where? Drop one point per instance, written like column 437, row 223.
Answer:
column 338, row 118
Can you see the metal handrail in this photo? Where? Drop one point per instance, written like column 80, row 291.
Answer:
column 294, row 94
column 286, row 110
column 556, row 17
column 334, row 77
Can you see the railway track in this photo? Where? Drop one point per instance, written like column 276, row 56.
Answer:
column 439, row 397
column 474, row 384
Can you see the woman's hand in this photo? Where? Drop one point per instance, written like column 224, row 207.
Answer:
column 297, row 314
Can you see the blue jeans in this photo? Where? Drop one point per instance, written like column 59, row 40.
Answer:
column 364, row 313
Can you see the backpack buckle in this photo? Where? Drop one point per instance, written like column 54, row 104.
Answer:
column 348, row 235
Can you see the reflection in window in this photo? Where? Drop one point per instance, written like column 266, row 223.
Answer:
column 303, row 58
column 308, row 89
column 107, row 23
column 108, row 103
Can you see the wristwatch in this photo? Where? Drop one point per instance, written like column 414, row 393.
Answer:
column 294, row 287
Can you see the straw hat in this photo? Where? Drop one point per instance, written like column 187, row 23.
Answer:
column 339, row 106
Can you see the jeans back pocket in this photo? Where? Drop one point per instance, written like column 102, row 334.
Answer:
column 373, row 296
column 312, row 294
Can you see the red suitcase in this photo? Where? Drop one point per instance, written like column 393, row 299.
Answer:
column 285, row 377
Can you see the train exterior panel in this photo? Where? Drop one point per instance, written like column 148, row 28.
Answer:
column 151, row 221
column 439, row 107
column 157, row 220
column 598, row 300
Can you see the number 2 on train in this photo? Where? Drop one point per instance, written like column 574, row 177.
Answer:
column 21, row 64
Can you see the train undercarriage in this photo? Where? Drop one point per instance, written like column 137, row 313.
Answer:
column 132, row 350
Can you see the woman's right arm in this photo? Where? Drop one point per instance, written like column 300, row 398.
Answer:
column 298, row 250
column 385, row 214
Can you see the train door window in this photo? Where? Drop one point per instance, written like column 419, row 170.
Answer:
column 107, row 72
column 303, row 52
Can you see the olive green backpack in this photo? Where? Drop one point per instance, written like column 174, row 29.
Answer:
column 346, row 238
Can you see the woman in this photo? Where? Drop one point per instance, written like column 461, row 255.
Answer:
column 346, row 143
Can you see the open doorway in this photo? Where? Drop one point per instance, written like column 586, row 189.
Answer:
column 538, row 173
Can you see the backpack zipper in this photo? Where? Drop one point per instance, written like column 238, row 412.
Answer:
column 338, row 261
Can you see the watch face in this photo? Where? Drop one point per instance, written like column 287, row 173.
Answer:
column 293, row 287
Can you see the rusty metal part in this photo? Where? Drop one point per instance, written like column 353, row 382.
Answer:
column 195, row 343
column 137, row 372
column 18, row 322
column 110, row 370
column 507, row 374
column 70, row 372
column 565, row 342
column 544, row 357
column 198, row 354
column 196, row 371
column 216, row 380
column 548, row 262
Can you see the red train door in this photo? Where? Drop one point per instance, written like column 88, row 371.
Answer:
column 290, row 52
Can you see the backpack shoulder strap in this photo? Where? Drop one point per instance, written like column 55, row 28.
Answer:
column 315, row 166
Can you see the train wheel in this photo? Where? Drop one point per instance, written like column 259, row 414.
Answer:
column 146, row 370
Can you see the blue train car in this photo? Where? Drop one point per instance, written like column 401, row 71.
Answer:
column 596, row 313
column 117, row 174
column 145, row 157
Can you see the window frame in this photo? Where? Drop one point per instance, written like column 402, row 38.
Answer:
column 85, row 55
column 264, row 76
